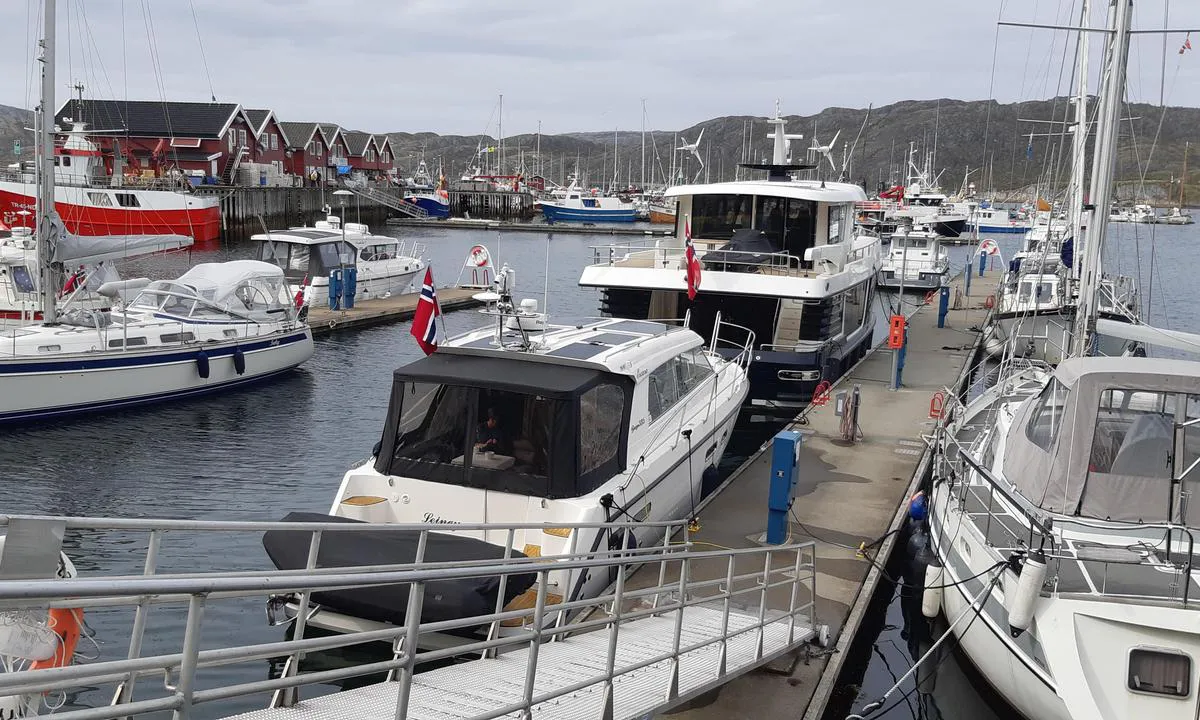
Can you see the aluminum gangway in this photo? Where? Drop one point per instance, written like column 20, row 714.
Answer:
column 688, row 620
column 388, row 200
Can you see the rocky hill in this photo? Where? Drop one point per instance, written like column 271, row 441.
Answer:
column 13, row 122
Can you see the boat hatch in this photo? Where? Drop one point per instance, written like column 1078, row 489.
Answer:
column 540, row 430
column 301, row 260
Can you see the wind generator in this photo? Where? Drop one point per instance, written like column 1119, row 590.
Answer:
column 694, row 149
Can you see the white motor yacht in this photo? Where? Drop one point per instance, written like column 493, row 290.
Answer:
column 1177, row 217
column 916, row 262
column 529, row 422
column 381, row 266
column 781, row 256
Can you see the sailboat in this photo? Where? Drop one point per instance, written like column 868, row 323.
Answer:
column 1060, row 513
column 1177, row 216
column 219, row 325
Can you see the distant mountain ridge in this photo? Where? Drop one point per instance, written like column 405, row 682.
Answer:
column 13, row 122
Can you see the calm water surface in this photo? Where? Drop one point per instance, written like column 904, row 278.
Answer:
column 268, row 450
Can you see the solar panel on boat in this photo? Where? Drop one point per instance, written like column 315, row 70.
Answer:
column 609, row 338
column 641, row 327
column 579, row 351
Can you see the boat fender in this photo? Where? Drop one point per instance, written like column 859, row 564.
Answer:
column 1029, row 587
column 202, row 364
column 239, row 361
column 931, row 597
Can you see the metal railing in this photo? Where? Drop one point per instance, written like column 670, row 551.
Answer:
column 675, row 258
column 387, row 200
column 103, row 182
column 780, row 582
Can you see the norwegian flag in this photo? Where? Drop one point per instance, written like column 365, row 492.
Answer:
column 425, row 327
column 693, row 263
column 1187, row 44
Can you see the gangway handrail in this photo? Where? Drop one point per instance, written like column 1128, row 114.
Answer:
column 786, row 568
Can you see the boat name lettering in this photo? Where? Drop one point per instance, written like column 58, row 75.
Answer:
column 434, row 519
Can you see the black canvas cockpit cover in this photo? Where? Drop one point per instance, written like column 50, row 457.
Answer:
column 747, row 248
column 444, row 599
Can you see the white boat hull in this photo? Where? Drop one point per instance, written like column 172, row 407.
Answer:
column 53, row 386
column 370, row 286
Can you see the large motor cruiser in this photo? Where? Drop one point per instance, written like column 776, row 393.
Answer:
column 530, row 422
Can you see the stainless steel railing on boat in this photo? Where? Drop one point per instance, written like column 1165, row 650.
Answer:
column 779, row 581
column 662, row 257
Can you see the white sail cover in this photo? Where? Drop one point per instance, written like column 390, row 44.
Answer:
column 79, row 250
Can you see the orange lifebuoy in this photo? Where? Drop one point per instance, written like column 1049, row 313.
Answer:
column 937, row 405
column 989, row 302
column 67, row 623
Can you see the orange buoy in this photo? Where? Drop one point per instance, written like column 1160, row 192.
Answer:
column 67, row 623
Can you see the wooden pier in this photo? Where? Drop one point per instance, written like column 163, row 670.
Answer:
column 280, row 207
column 493, row 204
column 536, row 227
column 377, row 311
column 848, row 493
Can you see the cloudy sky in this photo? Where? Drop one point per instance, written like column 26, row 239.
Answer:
column 412, row 65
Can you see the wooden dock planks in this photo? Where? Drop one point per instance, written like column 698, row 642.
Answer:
column 396, row 308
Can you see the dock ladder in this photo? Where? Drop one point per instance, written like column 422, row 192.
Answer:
column 678, row 620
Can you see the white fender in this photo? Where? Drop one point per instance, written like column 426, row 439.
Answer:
column 1029, row 587
column 931, row 598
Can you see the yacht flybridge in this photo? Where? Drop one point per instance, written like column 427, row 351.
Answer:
column 529, row 422
column 780, row 256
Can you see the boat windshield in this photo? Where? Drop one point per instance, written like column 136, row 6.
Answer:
column 298, row 260
column 518, row 442
column 789, row 221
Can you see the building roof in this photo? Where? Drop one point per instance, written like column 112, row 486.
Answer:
column 258, row 119
column 330, row 131
column 151, row 118
column 298, row 134
column 357, row 142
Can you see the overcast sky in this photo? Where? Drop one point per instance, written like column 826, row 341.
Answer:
column 413, row 65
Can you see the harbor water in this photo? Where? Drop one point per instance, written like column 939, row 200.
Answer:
column 283, row 446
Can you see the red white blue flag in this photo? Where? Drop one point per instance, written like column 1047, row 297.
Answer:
column 693, row 263
column 425, row 319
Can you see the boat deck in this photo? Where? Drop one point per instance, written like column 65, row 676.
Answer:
column 396, row 308
column 848, row 493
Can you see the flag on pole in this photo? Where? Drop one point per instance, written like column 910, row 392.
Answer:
column 693, row 263
column 425, row 326
column 1187, row 44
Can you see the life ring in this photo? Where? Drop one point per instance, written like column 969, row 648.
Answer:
column 989, row 302
column 479, row 256
column 929, row 296
column 332, row 324
column 67, row 624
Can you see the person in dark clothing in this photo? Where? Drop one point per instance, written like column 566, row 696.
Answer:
column 489, row 438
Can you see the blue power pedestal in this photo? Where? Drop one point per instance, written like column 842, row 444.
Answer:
column 335, row 289
column 785, row 452
column 943, row 304
column 349, row 287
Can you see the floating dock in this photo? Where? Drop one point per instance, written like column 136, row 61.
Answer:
column 396, row 308
column 508, row 226
column 847, row 494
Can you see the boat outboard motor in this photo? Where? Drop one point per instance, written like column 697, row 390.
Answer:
column 1029, row 587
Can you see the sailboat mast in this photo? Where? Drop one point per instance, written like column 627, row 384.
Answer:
column 46, row 238
column 1183, row 177
column 643, row 180
column 1103, row 169
column 500, row 133
column 1079, row 141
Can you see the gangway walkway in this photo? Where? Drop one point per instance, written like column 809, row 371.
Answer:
column 390, row 201
column 622, row 652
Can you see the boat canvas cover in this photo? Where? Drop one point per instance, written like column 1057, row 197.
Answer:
column 560, row 384
column 444, row 599
column 1057, row 477
column 76, row 250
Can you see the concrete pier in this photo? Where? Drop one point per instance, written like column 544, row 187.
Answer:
column 377, row 311
column 849, row 493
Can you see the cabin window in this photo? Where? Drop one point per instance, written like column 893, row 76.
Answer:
column 127, row 342
column 601, row 412
column 179, row 337
column 693, row 369
column 715, row 217
column 663, row 389
column 128, row 200
column 1160, row 672
column 100, row 199
column 855, row 310
column 66, row 161
column 1046, row 417
column 49, row 348
column 22, row 278
column 1135, row 434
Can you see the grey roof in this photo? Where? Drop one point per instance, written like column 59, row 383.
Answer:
column 356, row 141
column 297, row 134
column 150, row 118
column 257, row 118
column 329, row 130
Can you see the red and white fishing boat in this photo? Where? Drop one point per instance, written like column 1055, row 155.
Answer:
column 92, row 201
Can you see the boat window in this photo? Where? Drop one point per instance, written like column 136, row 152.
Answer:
column 715, row 217
column 127, row 342
column 330, row 256
column 693, row 368
column 663, row 388
column 591, row 203
column 49, row 348
column 1161, row 672
column 601, row 412
column 855, row 308
column 1046, row 418
column 127, row 200
column 100, row 199
column 22, row 278
column 66, row 161
column 176, row 337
